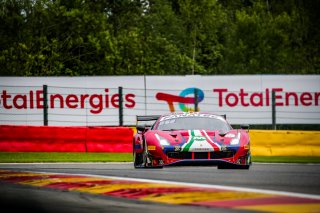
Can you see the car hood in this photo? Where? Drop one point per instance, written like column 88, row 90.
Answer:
column 199, row 140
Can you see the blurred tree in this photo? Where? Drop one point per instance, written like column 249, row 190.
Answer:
column 124, row 37
column 260, row 42
column 203, row 22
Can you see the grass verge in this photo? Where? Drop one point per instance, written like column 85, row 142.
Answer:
column 42, row 157
column 28, row 157
column 285, row 159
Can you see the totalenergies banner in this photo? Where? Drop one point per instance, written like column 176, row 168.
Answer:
column 94, row 101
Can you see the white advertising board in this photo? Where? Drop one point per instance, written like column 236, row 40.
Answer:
column 93, row 101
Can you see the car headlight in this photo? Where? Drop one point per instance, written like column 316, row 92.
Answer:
column 162, row 140
column 236, row 140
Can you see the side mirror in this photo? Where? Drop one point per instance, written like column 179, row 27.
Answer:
column 222, row 133
column 141, row 127
column 244, row 126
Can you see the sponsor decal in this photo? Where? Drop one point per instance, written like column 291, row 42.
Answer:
column 199, row 141
column 260, row 99
column 177, row 148
column 242, row 98
column 224, row 148
column 35, row 100
column 182, row 99
column 151, row 148
column 202, row 149
column 188, row 114
column 78, row 103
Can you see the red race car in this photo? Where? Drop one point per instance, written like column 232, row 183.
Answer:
column 191, row 138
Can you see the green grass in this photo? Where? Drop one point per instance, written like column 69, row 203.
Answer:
column 285, row 159
column 28, row 157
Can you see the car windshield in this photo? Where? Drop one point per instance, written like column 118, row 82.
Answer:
column 193, row 123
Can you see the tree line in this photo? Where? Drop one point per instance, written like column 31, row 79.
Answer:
column 159, row 37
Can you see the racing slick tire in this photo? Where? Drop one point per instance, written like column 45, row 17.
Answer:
column 147, row 161
column 143, row 160
column 137, row 159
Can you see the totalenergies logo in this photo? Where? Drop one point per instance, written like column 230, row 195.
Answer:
column 186, row 96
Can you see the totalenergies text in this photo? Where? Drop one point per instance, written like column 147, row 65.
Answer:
column 259, row 99
column 35, row 100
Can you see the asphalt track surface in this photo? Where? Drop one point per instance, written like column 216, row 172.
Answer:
column 292, row 178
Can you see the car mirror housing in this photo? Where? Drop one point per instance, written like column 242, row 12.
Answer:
column 141, row 127
column 222, row 133
column 244, row 126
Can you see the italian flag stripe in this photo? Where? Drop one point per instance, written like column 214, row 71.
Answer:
column 215, row 146
column 190, row 141
column 202, row 134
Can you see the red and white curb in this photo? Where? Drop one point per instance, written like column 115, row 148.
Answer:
column 169, row 192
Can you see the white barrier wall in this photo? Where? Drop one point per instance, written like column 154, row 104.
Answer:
column 94, row 100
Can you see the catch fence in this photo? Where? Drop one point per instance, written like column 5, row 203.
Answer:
column 83, row 106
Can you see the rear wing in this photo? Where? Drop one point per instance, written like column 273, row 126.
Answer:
column 146, row 118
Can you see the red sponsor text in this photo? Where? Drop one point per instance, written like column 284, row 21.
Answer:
column 259, row 99
column 35, row 100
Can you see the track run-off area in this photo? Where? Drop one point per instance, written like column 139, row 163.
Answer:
column 118, row 187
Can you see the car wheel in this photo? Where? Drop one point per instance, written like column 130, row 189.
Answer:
column 144, row 157
column 137, row 159
column 147, row 162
